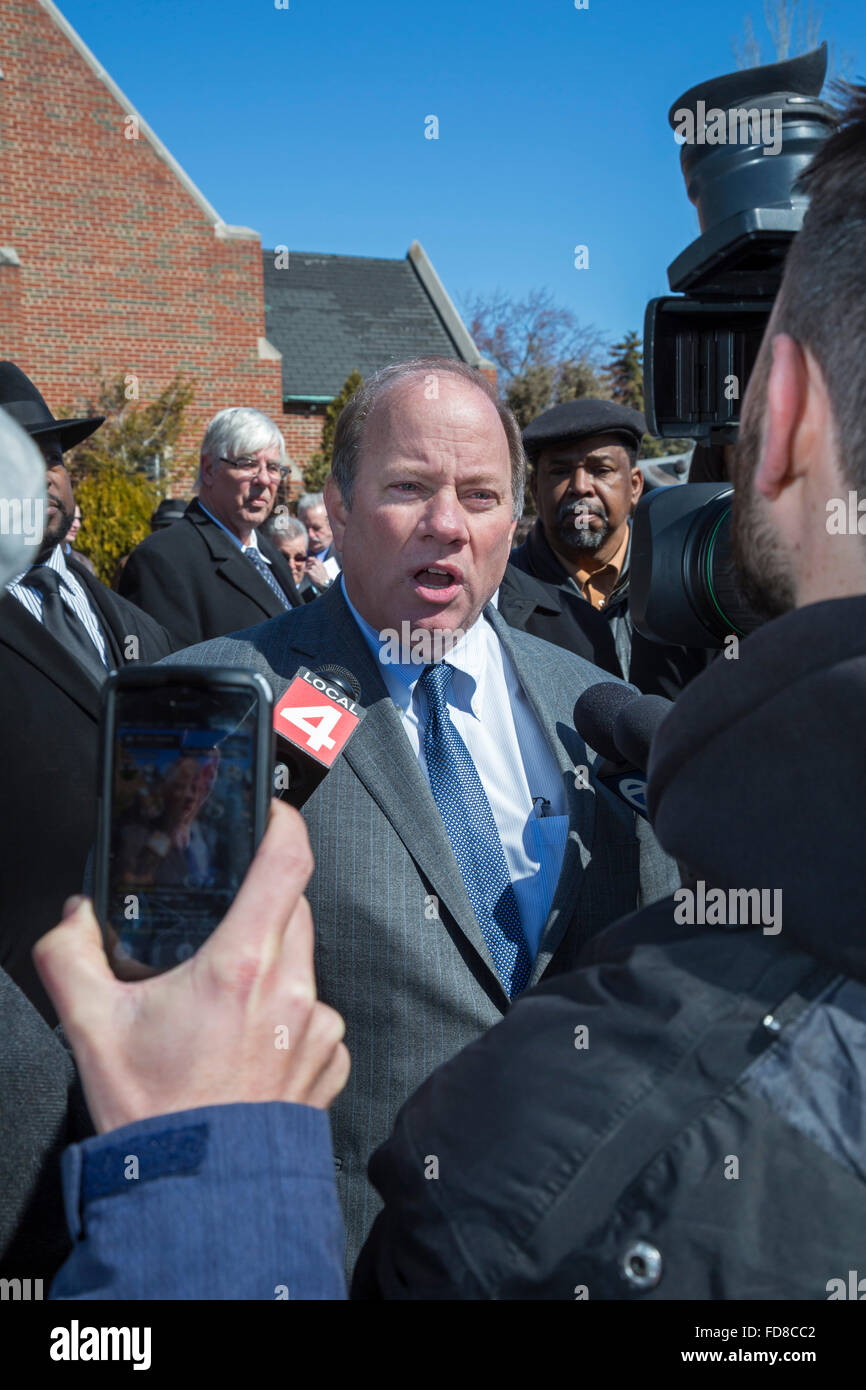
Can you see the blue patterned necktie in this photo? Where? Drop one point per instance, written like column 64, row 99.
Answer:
column 468, row 819
column 253, row 553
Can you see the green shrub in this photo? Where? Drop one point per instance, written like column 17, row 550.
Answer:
column 116, row 507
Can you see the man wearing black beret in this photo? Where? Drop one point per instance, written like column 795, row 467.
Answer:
column 568, row 582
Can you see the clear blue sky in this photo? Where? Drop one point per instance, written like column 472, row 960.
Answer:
column 307, row 124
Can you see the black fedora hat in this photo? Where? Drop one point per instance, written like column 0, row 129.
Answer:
column 20, row 398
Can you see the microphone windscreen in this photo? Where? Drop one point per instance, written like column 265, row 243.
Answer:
column 342, row 677
column 595, row 716
column 636, row 725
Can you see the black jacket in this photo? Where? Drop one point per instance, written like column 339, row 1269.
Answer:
column 555, row 609
column 705, row 1138
column 49, row 713
column 43, row 1110
column 196, row 581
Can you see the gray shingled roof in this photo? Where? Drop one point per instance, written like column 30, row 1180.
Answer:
column 328, row 314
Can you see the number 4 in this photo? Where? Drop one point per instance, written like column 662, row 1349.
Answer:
column 327, row 719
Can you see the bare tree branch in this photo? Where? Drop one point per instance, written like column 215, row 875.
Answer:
column 779, row 18
column 794, row 27
column 749, row 55
column 534, row 332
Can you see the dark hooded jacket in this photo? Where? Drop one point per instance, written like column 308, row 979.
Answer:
column 539, row 596
column 683, row 1116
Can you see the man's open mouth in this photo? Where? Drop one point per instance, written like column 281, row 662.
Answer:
column 436, row 577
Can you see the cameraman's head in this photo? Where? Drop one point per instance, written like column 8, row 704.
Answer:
column 802, row 446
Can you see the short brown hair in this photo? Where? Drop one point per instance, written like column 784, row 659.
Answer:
column 349, row 432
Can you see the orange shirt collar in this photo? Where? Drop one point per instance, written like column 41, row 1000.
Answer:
column 598, row 585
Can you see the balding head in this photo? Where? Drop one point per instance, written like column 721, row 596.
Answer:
column 431, row 489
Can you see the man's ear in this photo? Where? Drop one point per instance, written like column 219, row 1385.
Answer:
column 637, row 483
column 207, row 469
column 787, row 390
column 532, row 479
column 337, row 512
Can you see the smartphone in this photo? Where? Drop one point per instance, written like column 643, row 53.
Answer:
column 186, row 776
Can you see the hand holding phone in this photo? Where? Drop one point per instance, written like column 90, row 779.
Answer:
column 206, row 1033
column 187, row 774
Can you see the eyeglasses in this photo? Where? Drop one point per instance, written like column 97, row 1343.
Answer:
column 248, row 468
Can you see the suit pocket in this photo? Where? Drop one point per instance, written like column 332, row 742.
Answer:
column 547, row 840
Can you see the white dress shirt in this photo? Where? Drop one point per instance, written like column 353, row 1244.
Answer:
column 515, row 762
column 74, row 595
column 330, row 561
column 252, row 543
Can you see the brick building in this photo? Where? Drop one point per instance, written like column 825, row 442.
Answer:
column 113, row 262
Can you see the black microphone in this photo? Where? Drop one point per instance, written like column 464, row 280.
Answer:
column 596, row 713
column 636, row 726
column 619, row 724
column 313, row 722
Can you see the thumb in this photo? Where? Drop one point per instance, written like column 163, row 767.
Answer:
column 72, row 965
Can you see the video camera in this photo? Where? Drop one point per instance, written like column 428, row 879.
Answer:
column 746, row 137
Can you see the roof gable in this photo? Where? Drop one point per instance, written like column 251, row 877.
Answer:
column 329, row 314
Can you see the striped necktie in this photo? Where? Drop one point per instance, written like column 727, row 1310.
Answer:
column 465, row 811
column 62, row 623
column 253, row 553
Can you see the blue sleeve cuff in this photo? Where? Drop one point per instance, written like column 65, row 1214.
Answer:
column 224, row 1202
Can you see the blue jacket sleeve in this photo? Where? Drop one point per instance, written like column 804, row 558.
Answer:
column 225, row 1202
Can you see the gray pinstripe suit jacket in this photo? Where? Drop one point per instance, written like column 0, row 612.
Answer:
column 398, row 949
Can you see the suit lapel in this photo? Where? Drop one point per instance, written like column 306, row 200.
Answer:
column 20, row 631
column 232, row 564
column 381, row 756
column 544, row 695
column 98, row 596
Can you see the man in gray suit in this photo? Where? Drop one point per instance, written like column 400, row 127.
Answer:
column 463, row 846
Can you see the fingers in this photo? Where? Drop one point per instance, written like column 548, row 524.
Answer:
column 249, row 938
column 331, row 1080
column 320, row 1061
column 72, row 965
column 296, row 959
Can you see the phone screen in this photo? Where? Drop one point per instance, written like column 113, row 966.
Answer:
column 182, row 824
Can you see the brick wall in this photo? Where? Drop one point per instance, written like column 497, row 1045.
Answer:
column 303, row 434
column 10, row 304
column 121, row 268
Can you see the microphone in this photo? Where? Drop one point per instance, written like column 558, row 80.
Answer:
column 313, row 722
column 636, row 726
column 595, row 715
column 619, row 724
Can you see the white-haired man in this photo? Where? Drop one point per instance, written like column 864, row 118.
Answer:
column 211, row 573
column 323, row 564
